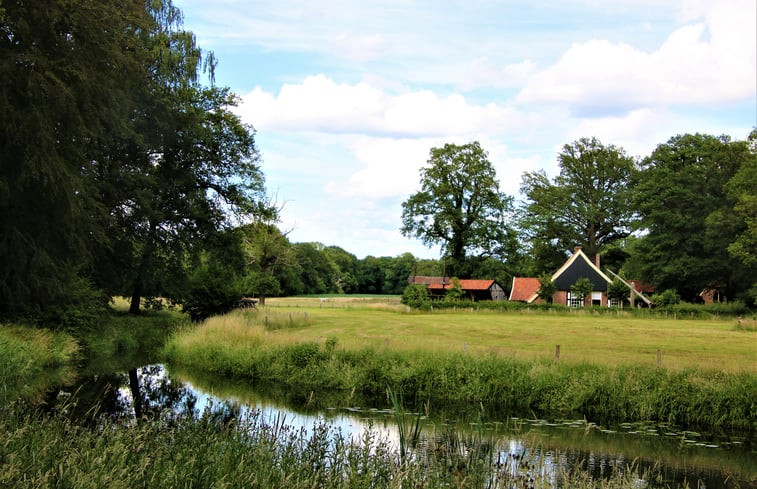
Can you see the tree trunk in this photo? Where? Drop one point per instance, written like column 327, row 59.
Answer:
column 136, row 393
column 137, row 291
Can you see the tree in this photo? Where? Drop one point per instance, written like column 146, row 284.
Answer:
column 589, row 202
column 190, row 171
column 581, row 289
column 687, row 215
column 268, row 258
column 70, row 79
column 459, row 206
column 547, row 288
column 618, row 291
column 455, row 291
column 346, row 268
column 317, row 272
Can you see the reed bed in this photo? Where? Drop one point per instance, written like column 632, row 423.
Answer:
column 222, row 449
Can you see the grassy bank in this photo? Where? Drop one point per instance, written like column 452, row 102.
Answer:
column 30, row 356
column 34, row 359
column 283, row 346
column 221, row 450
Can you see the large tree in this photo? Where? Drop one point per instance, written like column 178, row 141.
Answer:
column 459, row 206
column 189, row 170
column 69, row 79
column 686, row 194
column 588, row 204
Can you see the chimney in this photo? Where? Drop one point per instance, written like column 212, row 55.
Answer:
column 576, row 249
column 596, row 260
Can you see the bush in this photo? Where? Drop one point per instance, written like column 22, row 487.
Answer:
column 211, row 291
column 416, row 295
column 666, row 298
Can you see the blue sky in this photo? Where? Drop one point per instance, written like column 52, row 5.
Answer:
column 349, row 97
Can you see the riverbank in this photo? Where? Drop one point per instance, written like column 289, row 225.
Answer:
column 34, row 359
column 266, row 347
column 221, row 448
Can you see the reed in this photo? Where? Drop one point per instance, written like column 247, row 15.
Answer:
column 223, row 448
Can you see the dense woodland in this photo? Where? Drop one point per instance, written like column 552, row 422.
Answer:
column 123, row 171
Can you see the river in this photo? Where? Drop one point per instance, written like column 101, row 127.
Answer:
column 704, row 461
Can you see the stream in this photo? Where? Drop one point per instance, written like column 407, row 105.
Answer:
column 702, row 460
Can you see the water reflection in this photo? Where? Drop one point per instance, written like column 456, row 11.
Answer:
column 515, row 444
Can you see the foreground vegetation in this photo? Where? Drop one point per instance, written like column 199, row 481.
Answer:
column 222, row 449
column 281, row 347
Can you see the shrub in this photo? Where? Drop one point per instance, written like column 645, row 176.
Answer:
column 416, row 295
column 666, row 298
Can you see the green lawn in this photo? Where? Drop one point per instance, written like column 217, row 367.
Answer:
column 604, row 339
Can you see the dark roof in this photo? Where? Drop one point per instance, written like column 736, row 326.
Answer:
column 579, row 266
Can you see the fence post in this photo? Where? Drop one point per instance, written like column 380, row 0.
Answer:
column 557, row 352
column 659, row 358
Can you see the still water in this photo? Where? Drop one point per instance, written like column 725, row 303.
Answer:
column 676, row 456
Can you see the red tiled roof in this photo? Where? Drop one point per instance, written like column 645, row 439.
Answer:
column 421, row 279
column 466, row 284
column 524, row 288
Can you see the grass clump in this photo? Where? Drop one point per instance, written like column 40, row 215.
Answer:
column 30, row 356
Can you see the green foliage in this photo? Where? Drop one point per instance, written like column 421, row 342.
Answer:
column 589, row 202
column 666, row 298
column 212, row 289
column 31, row 360
column 460, row 205
column 618, row 291
column 416, row 295
column 547, row 288
column 688, row 215
column 582, row 288
column 455, row 291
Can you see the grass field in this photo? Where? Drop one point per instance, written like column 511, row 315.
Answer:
column 382, row 322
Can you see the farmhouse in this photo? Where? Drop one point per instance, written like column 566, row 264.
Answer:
column 474, row 289
column 576, row 267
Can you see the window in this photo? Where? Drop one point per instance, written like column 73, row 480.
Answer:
column 575, row 300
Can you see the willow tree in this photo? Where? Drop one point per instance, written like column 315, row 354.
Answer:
column 460, row 205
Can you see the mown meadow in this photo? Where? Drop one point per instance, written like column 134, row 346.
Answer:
column 607, row 370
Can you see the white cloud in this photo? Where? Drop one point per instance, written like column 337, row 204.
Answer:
column 320, row 104
column 708, row 62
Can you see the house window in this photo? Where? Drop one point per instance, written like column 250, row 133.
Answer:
column 575, row 300
column 596, row 298
column 613, row 303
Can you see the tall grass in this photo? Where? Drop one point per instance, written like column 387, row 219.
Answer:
column 30, row 358
column 221, row 449
column 699, row 398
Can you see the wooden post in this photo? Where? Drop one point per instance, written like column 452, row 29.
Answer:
column 557, row 352
column 659, row 358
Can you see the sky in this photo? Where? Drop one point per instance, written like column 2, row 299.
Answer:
column 348, row 97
